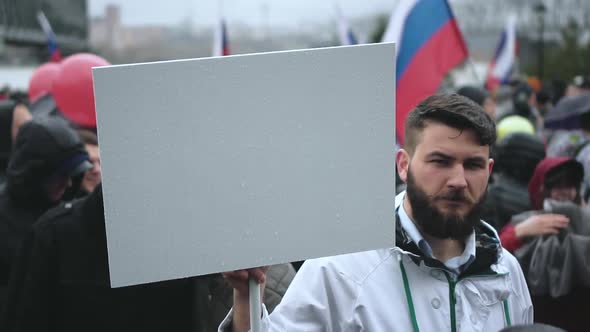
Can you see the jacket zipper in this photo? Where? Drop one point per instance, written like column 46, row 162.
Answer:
column 452, row 301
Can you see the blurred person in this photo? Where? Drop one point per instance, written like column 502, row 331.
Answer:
column 557, row 178
column 432, row 278
column 544, row 102
column 514, row 124
column 579, row 84
column 524, row 104
column 46, row 154
column 480, row 97
column 551, row 244
column 569, row 143
column 575, row 144
column 92, row 177
column 516, row 157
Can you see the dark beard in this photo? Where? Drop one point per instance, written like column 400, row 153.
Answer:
column 435, row 223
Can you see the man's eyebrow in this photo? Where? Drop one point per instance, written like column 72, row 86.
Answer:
column 439, row 154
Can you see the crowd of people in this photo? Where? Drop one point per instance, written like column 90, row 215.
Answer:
column 492, row 226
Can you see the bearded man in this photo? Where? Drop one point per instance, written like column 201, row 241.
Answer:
column 447, row 272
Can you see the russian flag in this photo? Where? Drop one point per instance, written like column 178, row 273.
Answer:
column 54, row 51
column 220, row 41
column 429, row 44
column 345, row 33
column 502, row 65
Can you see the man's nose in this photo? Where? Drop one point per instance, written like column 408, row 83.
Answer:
column 96, row 168
column 457, row 178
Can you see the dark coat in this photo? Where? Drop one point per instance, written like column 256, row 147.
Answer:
column 60, row 281
column 506, row 197
column 43, row 146
column 557, row 271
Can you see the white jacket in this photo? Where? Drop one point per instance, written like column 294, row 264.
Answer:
column 367, row 292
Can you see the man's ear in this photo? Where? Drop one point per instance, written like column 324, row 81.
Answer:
column 403, row 164
column 491, row 166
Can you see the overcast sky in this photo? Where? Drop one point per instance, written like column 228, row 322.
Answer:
column 286, row 13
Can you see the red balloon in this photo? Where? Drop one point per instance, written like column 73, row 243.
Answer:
column 42, row 80
column 73, row 90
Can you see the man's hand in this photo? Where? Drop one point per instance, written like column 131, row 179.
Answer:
column 541, row 224
column 239, row 281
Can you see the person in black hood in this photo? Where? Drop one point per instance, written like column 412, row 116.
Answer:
column 46, row 154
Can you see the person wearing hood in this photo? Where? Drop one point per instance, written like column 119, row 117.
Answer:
column 447, row 269
column 557, row 178
column 551, row 243
column 46, row 154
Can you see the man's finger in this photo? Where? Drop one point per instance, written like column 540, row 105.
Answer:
column 259, row 274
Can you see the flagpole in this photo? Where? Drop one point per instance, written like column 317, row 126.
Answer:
column 474, row 71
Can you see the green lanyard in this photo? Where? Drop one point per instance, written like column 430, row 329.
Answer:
column 409, row 298
column 410, row 301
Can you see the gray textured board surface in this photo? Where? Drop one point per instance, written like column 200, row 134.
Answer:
column 224, row 163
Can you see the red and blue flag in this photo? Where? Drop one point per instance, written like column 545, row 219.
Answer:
column 502, row 66
column 54, row 51
column 429, row 45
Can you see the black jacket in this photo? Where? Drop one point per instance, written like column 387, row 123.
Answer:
column 61, row 281
column 506, row 197
column 43, row 146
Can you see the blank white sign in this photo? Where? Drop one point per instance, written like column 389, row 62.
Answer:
column 225, row 163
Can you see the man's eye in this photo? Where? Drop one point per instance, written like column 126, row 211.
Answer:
column 440, row 161
column 474, row 165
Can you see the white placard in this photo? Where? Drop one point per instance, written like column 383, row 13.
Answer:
column 225, row 163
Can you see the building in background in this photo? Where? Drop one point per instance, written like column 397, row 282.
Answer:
column 23, row 44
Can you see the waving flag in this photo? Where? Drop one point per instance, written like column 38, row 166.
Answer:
column 220, row 41
column 429, row 44
column 345, row 33
column 502, row 65
column 54, row 51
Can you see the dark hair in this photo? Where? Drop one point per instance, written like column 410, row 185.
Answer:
column 452, row 110
column 517, row 155
column 476, row 94
column 88, row 137
column 568, row 174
